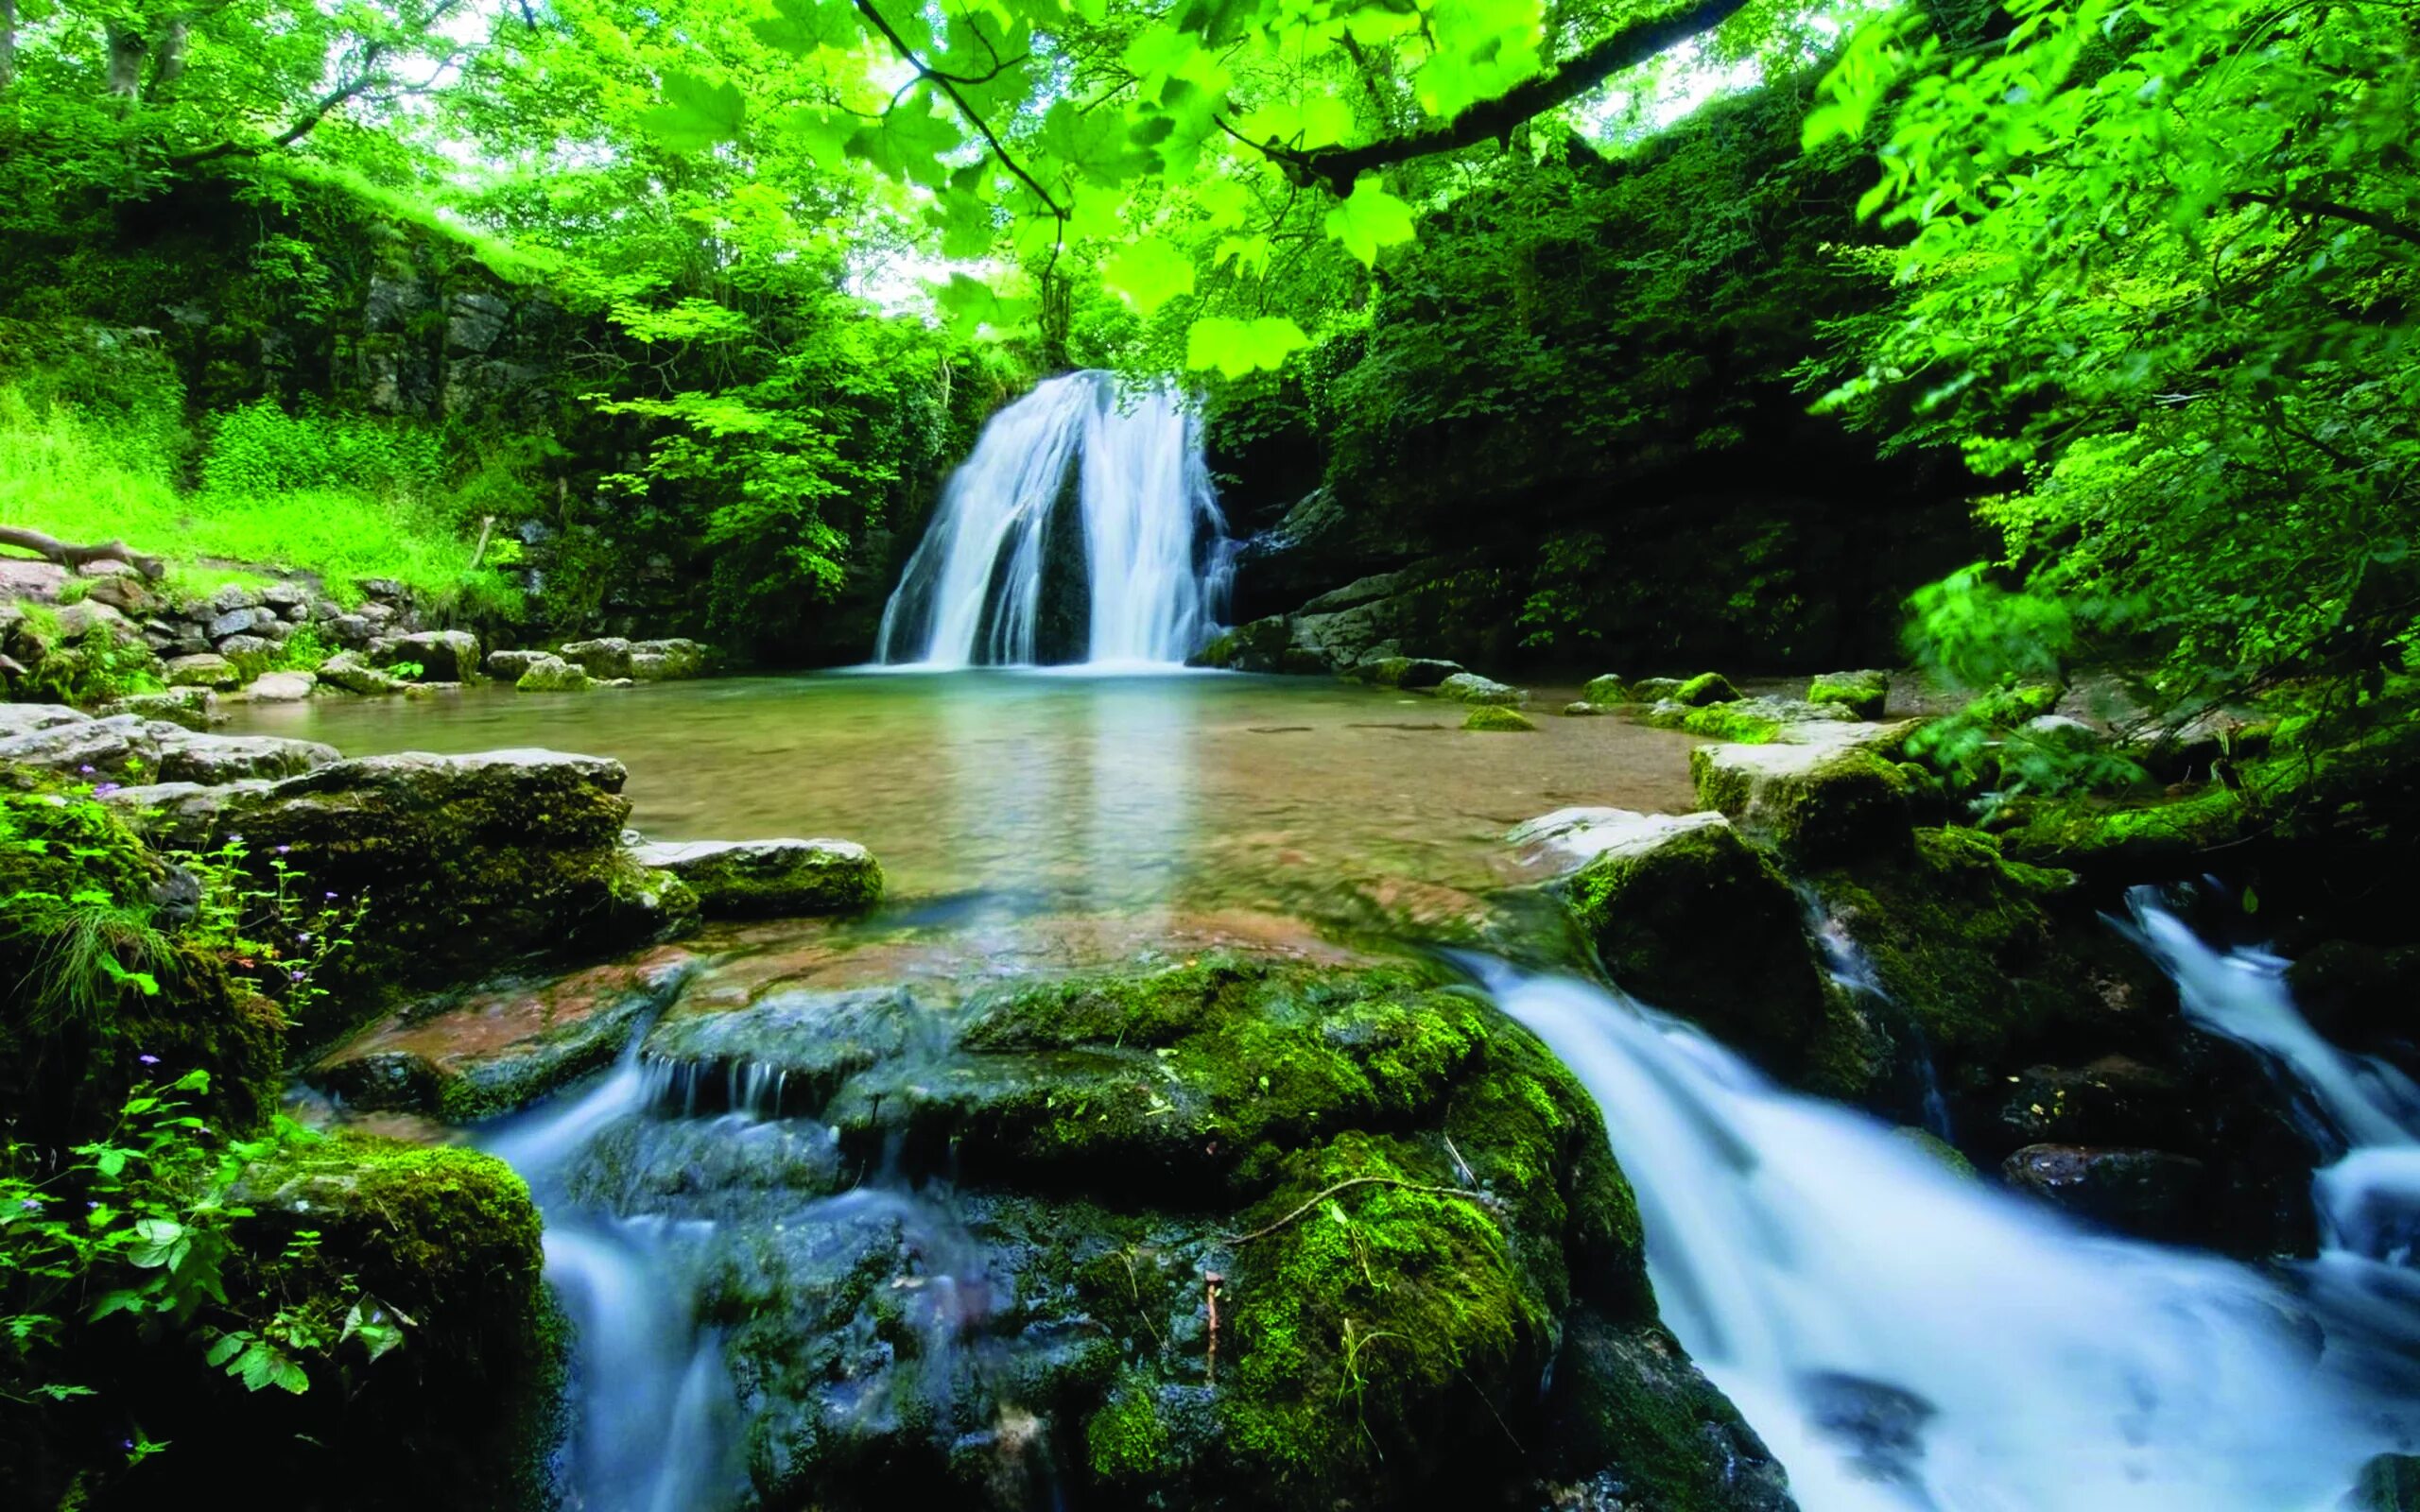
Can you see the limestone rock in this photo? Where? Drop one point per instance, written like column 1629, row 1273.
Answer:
column 235, row 645
column 1410, row 672
column 281, row 687
column 667, row 660
column 350, row 631
column 1469, row 687
column 552, row 674
column 444, row 656
column 742, row 879
column 194, row 708
column 25, row 718
column 187, row 757
column 237, row 622
column 606, row 657
column 1863, row 694
column 1577, row 834
column 507, row 666
column 349, row 671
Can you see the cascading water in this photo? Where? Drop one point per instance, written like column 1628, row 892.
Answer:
column 990, row 584
column 1905, row 1338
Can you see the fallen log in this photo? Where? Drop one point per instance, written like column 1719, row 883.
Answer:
column 50, row 548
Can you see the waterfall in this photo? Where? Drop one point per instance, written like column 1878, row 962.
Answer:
column 1002, row 577
column 1905, row 1338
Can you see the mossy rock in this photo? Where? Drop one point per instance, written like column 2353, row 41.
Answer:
column 1399, row 1193
column 1608, row 688
column 552, row 674
column 1705, row 688
column 2012, row 708
column 1863, row 694
column 1819, row 804
column 2166, row 837
column 1969, row 944
column 761, row 879
column 1693, row 919
column 1259, row 645
column 1469, row 687
column 1495, row 718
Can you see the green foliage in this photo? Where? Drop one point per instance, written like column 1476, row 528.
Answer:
column 2161, row 266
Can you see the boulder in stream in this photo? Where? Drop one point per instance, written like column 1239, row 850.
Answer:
column 552, row 674
column 1818, row 802
column 1863, row 694
column 1469, row 687
column 757, row 879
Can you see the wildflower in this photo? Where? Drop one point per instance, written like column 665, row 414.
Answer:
column 331, row 897
column 31, row 1204
column 302, row 938
column 148, row 1060
column 284, row 849
column 297, row 974
column 105, row 789
column 86, row 769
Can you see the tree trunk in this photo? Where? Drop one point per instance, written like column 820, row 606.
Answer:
column 169, row 58
column 128, row 53
column 7, row 42
column 52, row 549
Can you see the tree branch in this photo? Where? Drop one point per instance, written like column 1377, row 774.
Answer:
column 303, row 125
column 1336, row 167
column 947, row 84
column 2332, row 209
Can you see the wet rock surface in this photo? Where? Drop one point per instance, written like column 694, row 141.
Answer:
column 760, row 879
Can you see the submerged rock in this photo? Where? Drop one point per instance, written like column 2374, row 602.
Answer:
column 472, row 1055
column 756, row 879
column 2151, row 1193
column 1494, row 717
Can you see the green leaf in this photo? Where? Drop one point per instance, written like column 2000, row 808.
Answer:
column 1095, row 143
column 1369, row 218
column 801, row 26
column 909, row 142
column 1237, row 346
column 1150, row 273
column 695, row 114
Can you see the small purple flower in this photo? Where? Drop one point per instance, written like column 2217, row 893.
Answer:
column 331, row 897
column 284, row 849
column 31, row 1204
column 86, row 769
column 148, row 1060
column 302, row 938
column 105, row 789
column 297, row 974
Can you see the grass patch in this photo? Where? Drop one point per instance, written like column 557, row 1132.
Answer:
column 59, row 473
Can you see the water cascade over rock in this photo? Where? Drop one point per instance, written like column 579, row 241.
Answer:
column 1904, row 1337
column 1084, row 529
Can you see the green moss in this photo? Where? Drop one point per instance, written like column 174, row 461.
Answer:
column 1705, row 688
column 1965, row 942
column 2167, row 836
column 2009, row 708
column 1863, row 694
column 1722, row 722
column 1126, row 1440
column 1492, row 717
column 1607, row 689
column 554, row 674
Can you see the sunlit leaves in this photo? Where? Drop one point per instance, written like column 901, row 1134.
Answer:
column 1150, row 273
column 801, row 26
column 1369, row 218
column 1095, row 144
column 1234, row 347
column 908, row 142
column 695, row 114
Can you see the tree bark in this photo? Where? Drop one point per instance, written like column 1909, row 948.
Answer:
column 7, row 42
column 128, row 53
column 52, row 549
column 1336, row 167
column 169, row 58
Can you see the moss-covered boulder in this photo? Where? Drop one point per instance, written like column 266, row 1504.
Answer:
column 1705, row 688
column 508, row 666
column 2132, row 840
column 467, row 862
column 763, row 878
column 1413, row 672
column 1257, row 646
column 1818, row 802
column 1607, row 690
column 1863, row 694
column 1243, row 1234
column 1695, row 921
column 552, row 674
column 1498, row 718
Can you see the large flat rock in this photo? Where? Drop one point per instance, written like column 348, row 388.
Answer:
column 760, row 879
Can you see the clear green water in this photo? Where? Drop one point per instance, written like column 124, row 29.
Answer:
column 1066, row 793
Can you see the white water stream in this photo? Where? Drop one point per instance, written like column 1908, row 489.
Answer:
column 1154, row 544
column 1905, row 1338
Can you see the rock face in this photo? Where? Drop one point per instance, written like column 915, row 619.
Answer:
column 468, row 861
column 757, row 879
column 444, row 656
column 1689, row 918
column 501, row 1047
column 1250, row 1235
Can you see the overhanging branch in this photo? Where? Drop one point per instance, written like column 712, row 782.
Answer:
column 1336, row 167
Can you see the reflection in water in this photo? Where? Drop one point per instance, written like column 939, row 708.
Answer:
column 1014, row 791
